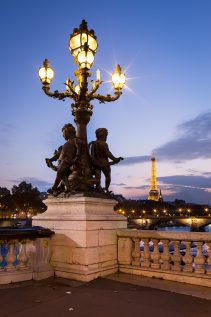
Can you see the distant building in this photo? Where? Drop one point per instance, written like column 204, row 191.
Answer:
column 43, row 195
column 154, row 193
column 119, row 198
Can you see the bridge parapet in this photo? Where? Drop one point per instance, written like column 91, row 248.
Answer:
column 175, row 256
column 150, row 223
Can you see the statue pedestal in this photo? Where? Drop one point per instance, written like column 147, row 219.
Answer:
column 84, row 246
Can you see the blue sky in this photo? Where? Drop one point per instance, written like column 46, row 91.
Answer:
column 164, row 46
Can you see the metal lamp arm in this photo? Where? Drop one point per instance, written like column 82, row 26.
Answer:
column 108, row 97
column 59, row 95
column 73, row 94
column 93, row 91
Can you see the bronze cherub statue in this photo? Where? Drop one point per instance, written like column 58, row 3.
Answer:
column 100, row 155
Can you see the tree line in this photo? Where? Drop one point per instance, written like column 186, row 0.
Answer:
column 23, row 200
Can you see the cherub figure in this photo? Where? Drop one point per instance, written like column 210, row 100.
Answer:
column 100, row 156
column 67, row 155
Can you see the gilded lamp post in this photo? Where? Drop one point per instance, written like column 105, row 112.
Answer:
column 83, row 46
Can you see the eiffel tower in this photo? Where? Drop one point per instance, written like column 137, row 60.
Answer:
column 154, row 193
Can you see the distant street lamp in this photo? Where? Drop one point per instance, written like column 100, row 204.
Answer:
column 83, row 46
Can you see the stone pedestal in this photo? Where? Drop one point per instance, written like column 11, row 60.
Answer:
column 84, row 246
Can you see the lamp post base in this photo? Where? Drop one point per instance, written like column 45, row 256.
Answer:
column 84, row 246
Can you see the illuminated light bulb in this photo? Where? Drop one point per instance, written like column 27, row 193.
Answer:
column 98, row 75
column 77, row 89
column 67, row 86
column 85, row 59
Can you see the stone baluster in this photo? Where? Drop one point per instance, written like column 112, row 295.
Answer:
column 155, row 255
column 208, row 271
column 22, row 257
column 10, row 257
column 136, row 252
column 146, row 254
column 1, row 259
column 165, row 256
column 199, row 259
column 188, row 258
column 176, row 257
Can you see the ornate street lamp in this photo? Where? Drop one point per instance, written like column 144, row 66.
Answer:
column 83, row 46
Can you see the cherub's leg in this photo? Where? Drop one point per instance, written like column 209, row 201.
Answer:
column 56, row 182
column 67, row 183
column 61, row 173
column 98, row 178
column 107, row 172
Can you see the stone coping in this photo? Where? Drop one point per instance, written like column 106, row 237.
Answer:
column 187, row 236
column 25, row 233
column 79, row 199
column 92, row 194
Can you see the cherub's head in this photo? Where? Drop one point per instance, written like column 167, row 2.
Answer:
column 68, row 131
column 101, row 134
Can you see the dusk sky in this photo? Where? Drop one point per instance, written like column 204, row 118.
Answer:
column 163, row 46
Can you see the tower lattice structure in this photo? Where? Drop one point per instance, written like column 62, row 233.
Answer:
column 154, row 193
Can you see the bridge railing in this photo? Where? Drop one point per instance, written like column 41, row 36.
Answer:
column 24, row 255
column 176, row 256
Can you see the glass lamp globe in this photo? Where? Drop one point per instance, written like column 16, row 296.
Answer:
column 83, row 45
column 46, row 73
column 118, row 78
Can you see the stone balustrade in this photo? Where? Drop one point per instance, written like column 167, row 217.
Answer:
column 175, row 256
column 24, row 255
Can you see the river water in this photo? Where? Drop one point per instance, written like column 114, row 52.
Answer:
column 182, row 229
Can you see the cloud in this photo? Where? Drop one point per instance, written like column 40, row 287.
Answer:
column 191, row 195
column 195, row 189
column 135, row 160
column 187, row 181
column 171, row 192
column 135, row 187
column 7, row 128
column 5, row 142
column 7, row 131
column 42, row 185
column 193, row 141
column 120, row 184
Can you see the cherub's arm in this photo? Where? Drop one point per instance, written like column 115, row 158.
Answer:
column 111, row 156
column 54, row 158
column 56, row 155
